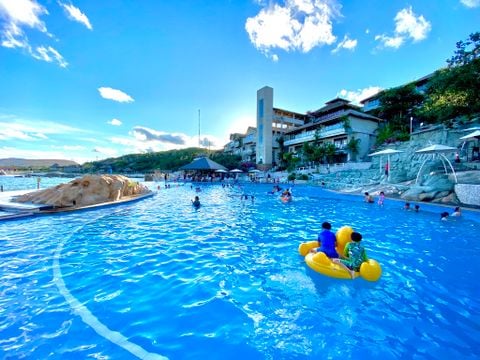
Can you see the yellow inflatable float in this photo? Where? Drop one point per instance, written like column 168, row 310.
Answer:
column 370, row 270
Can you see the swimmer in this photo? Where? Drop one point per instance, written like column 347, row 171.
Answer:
column 381, row 199
column 368, row 198
column 196, row 202
column 457, row 211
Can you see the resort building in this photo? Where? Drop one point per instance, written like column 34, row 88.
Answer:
column 373, row 102
column 271, row 124
column 243, row 145
column 338, row 123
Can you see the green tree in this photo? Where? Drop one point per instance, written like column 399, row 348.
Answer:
column 353, row 146
column 453, row 92
column 281, row 151
column 291, row 161
column 330, row 151
column 308, row 151
column 397, row 105
column 346, row 124
column 467, row 51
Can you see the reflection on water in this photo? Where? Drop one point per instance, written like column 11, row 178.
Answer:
column 226, row 280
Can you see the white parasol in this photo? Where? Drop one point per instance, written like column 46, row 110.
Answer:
column 387, row 152
column 440, row 150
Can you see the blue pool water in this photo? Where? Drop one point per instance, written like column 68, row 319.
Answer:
column 157, row 278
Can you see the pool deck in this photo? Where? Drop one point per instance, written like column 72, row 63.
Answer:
column 9, row 209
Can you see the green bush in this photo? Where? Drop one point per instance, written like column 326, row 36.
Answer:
column 292, row 176
column 303, row 177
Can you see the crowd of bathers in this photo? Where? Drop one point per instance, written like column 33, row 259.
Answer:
column 368, row 198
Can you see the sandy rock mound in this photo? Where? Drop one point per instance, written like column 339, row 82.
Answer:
column 88, row 190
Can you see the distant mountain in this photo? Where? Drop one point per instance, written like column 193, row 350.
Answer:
column 35, row 163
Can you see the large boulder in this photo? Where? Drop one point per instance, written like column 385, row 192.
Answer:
column 85, row 191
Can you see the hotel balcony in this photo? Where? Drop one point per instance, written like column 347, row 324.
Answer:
column 327, row 131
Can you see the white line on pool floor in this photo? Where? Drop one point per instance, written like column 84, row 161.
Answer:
column 89, row 319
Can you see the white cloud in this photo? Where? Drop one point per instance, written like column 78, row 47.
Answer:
column 105, row 151
column 360, row 94
column 75, row 14
column 407, row 25
column 8, row 152
column 26, row 13
column 471, row 3
column 15, row 128
column 346, row 43
column 415, row 27
column 69, row 147
column 142, row 140
column 114, row 122
column 49, row 54
column 393, row 42
column 299, row 25
column 114, row 94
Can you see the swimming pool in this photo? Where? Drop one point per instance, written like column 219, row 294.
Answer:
column 158, row 278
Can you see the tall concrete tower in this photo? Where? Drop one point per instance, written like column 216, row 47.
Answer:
column 264, row 126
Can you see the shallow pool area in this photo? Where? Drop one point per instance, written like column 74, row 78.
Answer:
column 160, row 279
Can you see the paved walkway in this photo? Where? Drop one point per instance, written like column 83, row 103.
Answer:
column 6, row 201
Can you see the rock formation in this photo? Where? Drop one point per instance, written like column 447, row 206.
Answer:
column 85, row 191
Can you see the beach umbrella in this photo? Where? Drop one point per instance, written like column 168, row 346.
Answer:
column 221, row 171
column 236, row 171
column 472, row 136
column 437, row 149
column 254, row 171
column 440, row 150
column 387, row 152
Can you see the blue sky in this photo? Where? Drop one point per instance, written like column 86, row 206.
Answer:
column 86, row 80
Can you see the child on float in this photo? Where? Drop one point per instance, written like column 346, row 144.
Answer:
column 354, row 254
column 327, row 241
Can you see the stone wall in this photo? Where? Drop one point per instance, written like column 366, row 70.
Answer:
column 468, row 194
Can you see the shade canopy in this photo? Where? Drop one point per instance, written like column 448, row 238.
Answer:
column 221, row 171
column 385, row 152
column 437, row 149
column 203, row 163
column 440, row 150
column 254, row 171
column 472, row 136
column 236, row 171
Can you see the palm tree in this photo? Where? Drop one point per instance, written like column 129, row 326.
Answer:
column 354, row 147
column 330, row 151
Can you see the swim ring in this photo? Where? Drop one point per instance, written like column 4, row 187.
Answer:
column 370, row 270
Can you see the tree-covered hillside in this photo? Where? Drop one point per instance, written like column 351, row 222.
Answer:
column 164, row 160
column 451, row 95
